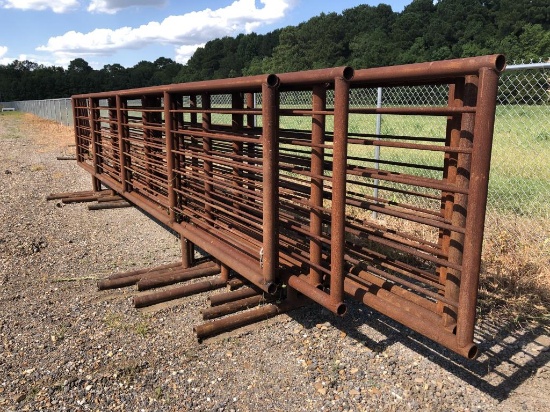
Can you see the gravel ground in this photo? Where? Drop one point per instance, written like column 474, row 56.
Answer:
column 67, row 347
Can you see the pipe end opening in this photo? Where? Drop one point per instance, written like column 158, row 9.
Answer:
column 473, row 352
column 341, row 309
column 348, row 73
column 500, row 62
column 273, row 80
column 271, row 288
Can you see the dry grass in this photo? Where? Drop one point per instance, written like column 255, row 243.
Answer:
column 515, row 273
column 515, row 280
column 46, row 133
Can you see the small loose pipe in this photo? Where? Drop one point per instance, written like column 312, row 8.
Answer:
column 217, row 326
column 236, row 283
column 316, row 295
column 128, row 280
column 109, row 198
column 170, row 278
column 109, row 205
column 232, row 307
column 64, row 195
column 153, row 298
column 223, row 298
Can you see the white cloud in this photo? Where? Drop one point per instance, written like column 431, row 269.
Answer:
column 114, row 6
column 3, row 50
column 186, row 31
column 184, row 53
column 57, row 6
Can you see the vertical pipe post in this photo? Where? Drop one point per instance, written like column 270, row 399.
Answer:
column 270, row 171
column 237, row 124
column 113, row 132
column 316, row 199
column 121, row 115
column 93, row 114
column 339, row 170
column 169, row 141
column 377, row 148
column 207, row 149
column 76, row 125
column 458, row 135
column 477, row 202
column 251, row 147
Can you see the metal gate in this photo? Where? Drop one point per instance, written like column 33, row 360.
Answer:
column 287, row 206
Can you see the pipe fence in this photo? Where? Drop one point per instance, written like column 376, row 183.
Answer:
column 123, row 143
column 281, row 192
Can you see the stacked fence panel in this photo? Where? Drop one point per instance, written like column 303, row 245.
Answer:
column 277, row 177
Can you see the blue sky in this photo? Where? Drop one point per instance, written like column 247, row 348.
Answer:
column 54, row 32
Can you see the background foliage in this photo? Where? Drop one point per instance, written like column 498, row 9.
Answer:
column 364, row 36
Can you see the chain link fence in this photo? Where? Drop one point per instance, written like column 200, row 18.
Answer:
column 519, row 187
column 58, row 110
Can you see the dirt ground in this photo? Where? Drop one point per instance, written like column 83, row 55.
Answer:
column 64, row 345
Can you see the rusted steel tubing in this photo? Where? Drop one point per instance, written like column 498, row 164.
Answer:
column 459, row 133
column 270, row 150
column 222, row 298
column 166, row 279
column 394, row 289
column 65, row 195
column 360, row 293
column 224, row 273
column 94, row 130
column 220, row 111
column 102, row 199
column 82, row 199
column 387, row 210
column 225, row 254
column 339, row 170
column 250, row 118
column 416, row 111
column 393, row 295
column 145, row 270
column 413, row 286
column 153, row 298
column 413, row 251
column 215, row 327
column 317, row 295
column 232, row 307
column 235, row 283
column 76, row 124
column 405, row 179
column 207, row 147
column 412, row 146
column 124, row 281
column 245, row 84
column 110, row 205
column 314, row 77
column 477, row 202
column 316, row 197
column 407, row 73
column 168, row 125
column 187, row 253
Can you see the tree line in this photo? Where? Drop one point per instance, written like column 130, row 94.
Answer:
column 363, row 36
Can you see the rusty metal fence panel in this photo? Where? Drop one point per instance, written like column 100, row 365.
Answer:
column 273, row 176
